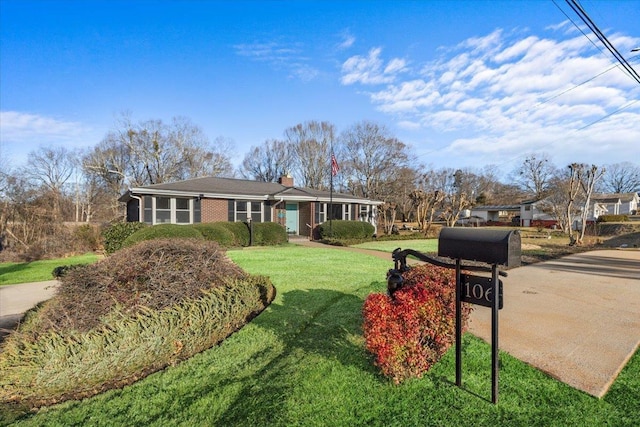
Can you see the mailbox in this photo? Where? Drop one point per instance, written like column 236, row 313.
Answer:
column 490, row 246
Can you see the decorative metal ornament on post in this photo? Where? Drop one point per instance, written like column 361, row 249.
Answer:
column 495, row 247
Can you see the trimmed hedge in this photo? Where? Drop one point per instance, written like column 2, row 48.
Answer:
column 163, row 231
column 115, row 234
column 269, row 234
column 612, row 218
column 339, row 229
column 217, row 232
column 240, row 232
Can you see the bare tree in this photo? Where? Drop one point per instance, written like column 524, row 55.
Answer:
column 425, row 204
column 405, row 181
column 372, row 160
column 152, row 152
column 557, row 203
column 458, row 193
column 311, row 143
column 535, row 174
column 269, row 161
column 588, row 177
column 157, row 152
column 621, row 178
column 387, row 213
column 51, row 169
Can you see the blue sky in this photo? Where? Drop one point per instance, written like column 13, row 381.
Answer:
column 464, row 83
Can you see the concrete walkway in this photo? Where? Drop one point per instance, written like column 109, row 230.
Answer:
column 576, row 318
column 16, row 299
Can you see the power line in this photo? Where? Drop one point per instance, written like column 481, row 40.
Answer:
column 582, row 14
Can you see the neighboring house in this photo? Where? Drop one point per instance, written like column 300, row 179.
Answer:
column 616, row 204
column 210, row 199
column 500, row 213
column 531, row 214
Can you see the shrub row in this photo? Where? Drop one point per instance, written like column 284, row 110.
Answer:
column 226, row 234
column 410, row 332
column 612, row 218
column 340, row 229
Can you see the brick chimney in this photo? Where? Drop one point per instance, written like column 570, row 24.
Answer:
column 286, row 180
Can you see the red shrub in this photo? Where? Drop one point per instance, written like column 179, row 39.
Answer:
column 412, row 331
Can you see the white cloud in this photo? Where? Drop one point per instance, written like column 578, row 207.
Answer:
column 347, row 41
column 17, row 127
column 371, row 70
column 281, row 56
column 503, row 94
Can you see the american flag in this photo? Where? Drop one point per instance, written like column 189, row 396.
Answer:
column 334, row 165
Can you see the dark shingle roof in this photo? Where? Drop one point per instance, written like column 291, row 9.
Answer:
column 237, row 188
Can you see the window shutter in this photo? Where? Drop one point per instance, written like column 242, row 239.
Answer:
column 232, row 211
column 267, row 211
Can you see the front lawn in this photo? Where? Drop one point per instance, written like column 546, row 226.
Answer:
column 38, row 271
column 302, row 362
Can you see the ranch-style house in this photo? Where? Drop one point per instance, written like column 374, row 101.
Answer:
column 211, row 199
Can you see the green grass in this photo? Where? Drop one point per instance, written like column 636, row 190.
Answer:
column 421, row 245
column 302, row 363
column 37, row 271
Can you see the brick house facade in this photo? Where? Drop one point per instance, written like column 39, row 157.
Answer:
column 210, row 199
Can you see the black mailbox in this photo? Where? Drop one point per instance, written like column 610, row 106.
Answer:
column 490, row 246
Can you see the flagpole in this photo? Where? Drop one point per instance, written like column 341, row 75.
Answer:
column 334, row 171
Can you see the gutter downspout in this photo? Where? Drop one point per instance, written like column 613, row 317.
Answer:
column 275, row 207
column 139, row 199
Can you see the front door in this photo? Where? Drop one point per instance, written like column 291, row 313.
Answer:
column 292, row 218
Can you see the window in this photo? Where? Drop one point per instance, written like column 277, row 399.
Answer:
column 321, row 212
column 183, row 213
column 338, row 211
column 364, row 212
column 169, row 210
column 242, row 210
column 163, row 210
column 256, row 211
column 148, row 209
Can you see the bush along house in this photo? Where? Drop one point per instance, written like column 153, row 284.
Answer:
column 210, row 199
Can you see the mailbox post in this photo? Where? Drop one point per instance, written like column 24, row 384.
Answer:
column 495, row 247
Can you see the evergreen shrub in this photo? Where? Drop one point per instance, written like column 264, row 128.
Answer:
column 217, row 232
column 116, row 321
column 163, row 231
column 612, row 218
column 240, row 232
column 269, row 234
column 115, row 234
column 341, row 229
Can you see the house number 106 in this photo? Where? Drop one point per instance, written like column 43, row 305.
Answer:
column 479, row 290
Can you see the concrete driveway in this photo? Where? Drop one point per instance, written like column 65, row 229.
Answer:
column 576, row 318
